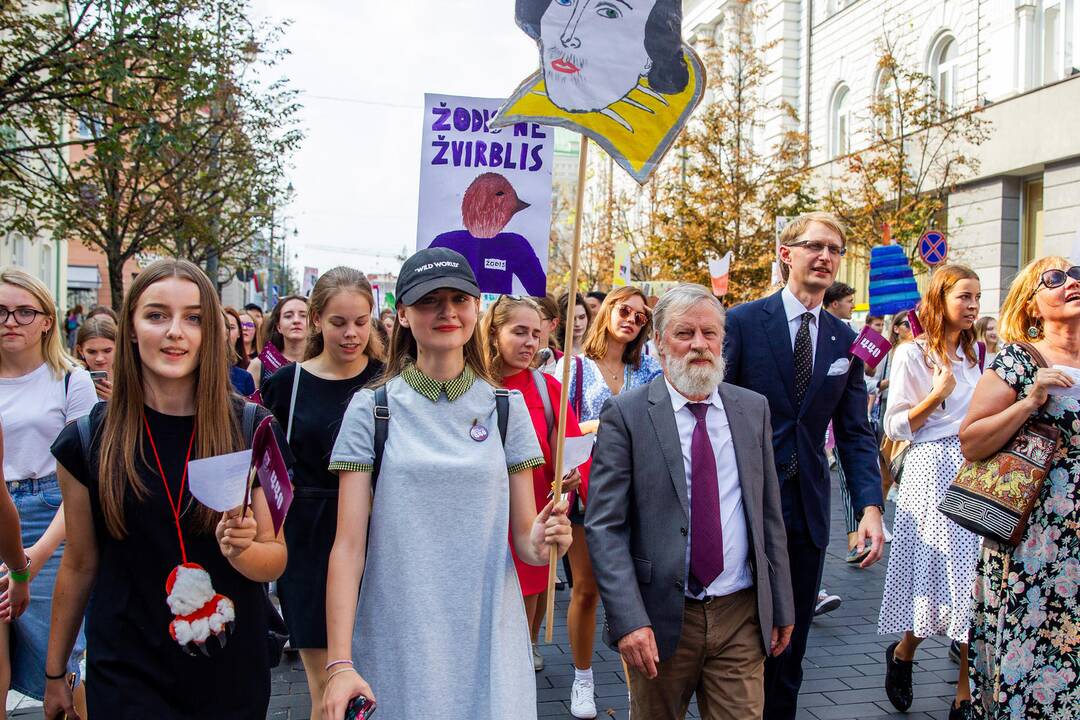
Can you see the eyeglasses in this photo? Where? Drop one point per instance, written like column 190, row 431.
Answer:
column 22, row 315
column 627, row 313
column 819, row 247
column 903, row 323
column 1056, row 278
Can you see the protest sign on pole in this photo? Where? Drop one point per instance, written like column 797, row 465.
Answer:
column 718, row 273
column 486, row 192
column 620, row 74
column 620, row 272
column 311, row 276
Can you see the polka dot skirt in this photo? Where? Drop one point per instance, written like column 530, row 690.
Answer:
column 928, row 586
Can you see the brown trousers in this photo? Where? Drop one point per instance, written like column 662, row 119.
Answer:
column 719, row 657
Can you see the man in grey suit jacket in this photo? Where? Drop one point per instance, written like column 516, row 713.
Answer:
column 685, row 529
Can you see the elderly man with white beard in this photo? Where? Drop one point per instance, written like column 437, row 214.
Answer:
column 684, row 526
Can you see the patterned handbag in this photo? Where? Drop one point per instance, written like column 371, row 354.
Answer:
column 994, row 497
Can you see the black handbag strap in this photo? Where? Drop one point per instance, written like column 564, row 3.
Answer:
column 1040, row 361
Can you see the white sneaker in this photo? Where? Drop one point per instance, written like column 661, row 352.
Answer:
column 826, row 603
column 582, row 702
column 888, row 534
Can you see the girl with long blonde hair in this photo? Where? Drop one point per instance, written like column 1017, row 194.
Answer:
column 41, row 389
column 177, row 623
column 932, row 560
column 513, row 333
column 309, row 400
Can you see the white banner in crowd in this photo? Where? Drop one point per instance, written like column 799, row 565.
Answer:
column 486, row 192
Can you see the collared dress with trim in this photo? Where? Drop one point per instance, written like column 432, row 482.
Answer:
column 440, row 628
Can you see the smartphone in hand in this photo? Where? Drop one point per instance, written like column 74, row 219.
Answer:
column 96, row 375
column 359, row 708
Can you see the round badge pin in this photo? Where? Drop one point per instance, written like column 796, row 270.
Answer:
column 478, row 433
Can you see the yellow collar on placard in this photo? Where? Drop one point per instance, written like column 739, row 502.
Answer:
column 636, row 130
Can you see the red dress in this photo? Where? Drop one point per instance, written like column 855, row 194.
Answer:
column 533, row 578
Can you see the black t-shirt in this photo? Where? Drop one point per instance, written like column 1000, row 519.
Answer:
column 320, row 405
column 135, row 669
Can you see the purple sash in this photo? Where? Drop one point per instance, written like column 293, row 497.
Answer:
column 272, row 360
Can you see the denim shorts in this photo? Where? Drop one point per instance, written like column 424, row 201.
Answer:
column 37, row 502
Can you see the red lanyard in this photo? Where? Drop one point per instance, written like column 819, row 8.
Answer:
column 174, row 506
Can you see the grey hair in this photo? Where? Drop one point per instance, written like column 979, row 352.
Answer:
column 678, row 300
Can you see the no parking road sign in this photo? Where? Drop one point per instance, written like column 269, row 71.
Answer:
column 933, row 248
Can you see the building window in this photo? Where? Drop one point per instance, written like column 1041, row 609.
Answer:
column 943, row 71
column 840, row 118
column 89, row 129
column 1031, row 244
column 885, row 112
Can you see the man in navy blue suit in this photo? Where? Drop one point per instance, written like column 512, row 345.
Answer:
column 786, row 348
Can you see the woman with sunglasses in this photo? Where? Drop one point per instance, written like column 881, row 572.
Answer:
column 932, row 560
column 613, row 362
column 1025, row 622
column 249, row 333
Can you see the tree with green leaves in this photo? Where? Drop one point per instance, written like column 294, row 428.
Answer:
column 721, row 190
column 917, row 149
column 181, row 147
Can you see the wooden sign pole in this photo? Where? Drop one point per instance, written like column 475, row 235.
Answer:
column 568, row 344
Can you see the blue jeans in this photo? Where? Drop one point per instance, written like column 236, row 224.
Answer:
column 37, row 502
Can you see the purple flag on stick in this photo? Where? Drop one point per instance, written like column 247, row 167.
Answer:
column 870, row 347
column 273, row 473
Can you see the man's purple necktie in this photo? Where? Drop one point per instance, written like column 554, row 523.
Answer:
column 706, row 533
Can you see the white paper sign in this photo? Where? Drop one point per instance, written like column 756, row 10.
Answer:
column 486, row 192
column 220, row 482
column 1070, row 392
column 577, row 451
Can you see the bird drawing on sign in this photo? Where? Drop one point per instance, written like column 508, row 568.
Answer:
column 496, row 256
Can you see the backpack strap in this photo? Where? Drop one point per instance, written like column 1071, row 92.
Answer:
column 982, row 355
column 292, row 402
column 67, row 382
column 248, row 423
column 579, row 378
column 382, row 425
column 502, row 410
column 545, row 397
column 83, row 426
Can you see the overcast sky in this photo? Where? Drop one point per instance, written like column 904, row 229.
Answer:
column 363, row 68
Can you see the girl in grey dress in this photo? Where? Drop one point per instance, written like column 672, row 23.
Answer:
column 439, row 631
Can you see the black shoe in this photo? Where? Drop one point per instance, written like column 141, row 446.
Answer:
column 961, row 711
column 898, row 680
column 954, row 652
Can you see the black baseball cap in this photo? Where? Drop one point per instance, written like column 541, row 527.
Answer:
column 433, row 269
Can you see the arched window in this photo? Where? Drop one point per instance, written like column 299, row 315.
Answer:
column 943, row 71
column 840, row 121
column 885, row 111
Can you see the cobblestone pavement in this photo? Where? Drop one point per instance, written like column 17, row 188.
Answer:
column 844, row 667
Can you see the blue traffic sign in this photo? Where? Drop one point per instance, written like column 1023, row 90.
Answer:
column 933, row 248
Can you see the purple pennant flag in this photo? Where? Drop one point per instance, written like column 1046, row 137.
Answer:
column 273, row 474
column 870, row 347
column 916, row 326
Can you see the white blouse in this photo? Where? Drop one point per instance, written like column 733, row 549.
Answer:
column 910, row 380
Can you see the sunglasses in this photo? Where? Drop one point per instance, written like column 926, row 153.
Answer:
column 1056, row 278
column 903, row 323
column 628, row 313
column 249, row 326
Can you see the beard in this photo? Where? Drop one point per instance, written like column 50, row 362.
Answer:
column 695, row 380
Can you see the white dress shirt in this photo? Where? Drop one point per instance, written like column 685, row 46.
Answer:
column 736, row 575
column 910, row 381
column 794, row 310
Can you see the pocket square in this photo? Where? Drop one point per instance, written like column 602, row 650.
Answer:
column 839, row 367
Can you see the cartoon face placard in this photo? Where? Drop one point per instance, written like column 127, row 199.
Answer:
column 615, row 70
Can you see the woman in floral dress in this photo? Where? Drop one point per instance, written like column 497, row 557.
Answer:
column 1026, row 626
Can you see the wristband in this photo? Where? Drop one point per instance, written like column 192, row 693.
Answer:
column 61, row 676
column 21, row 576
column 337, row 662
column 339, row 671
